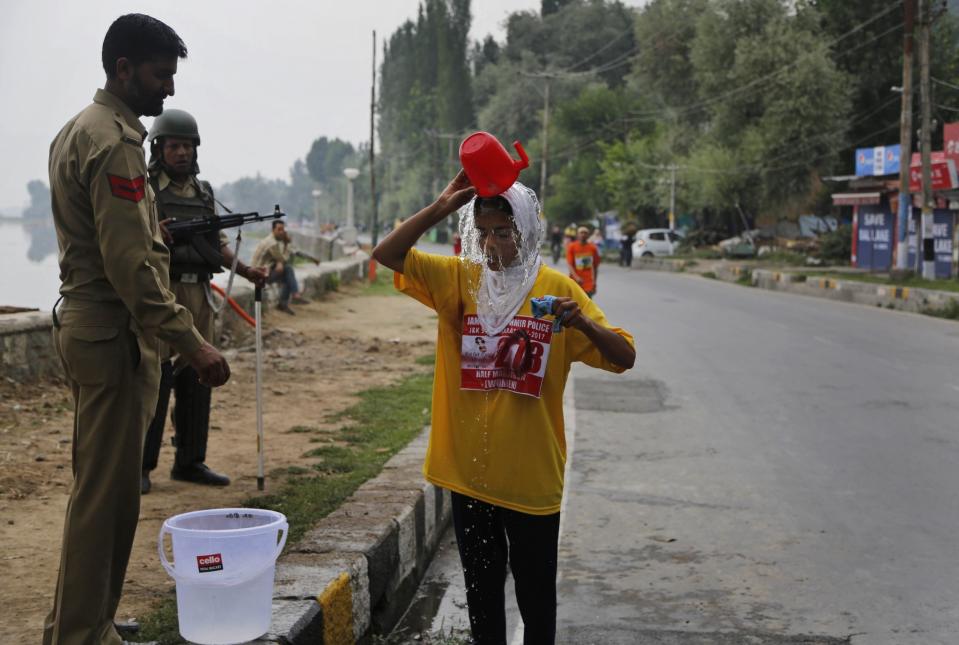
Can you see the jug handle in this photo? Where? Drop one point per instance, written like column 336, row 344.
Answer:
column 523, row 161
column 163, row 559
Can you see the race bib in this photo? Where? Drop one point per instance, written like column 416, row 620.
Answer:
column 514, row 360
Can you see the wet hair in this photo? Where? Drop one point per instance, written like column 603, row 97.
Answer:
column 139, row 38
column 497, row 203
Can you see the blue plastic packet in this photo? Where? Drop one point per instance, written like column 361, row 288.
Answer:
column 543, row 307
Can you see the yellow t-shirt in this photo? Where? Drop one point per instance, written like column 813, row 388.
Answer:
column 499, row 445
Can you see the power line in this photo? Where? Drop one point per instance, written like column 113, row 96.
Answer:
column 943, row 83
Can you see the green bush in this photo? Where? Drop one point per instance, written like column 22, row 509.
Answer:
column 836, row 246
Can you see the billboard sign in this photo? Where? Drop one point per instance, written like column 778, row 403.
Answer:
column 950, row 141
column 874, row 227
column 881, row 160
column 943, row 173
column 943, row 223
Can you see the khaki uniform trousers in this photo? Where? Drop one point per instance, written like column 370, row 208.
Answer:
column 114, row 377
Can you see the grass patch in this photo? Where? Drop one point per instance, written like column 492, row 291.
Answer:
column 428, row 360
column 385, row 418
column 374, row 429
column 160, row 625
column 382, row 285
column 782, row 257
column 709, row 274
column 745, row 278
column 909, row 280
column 950, row 311
column 302, row 429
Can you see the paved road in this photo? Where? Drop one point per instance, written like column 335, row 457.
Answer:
column 776, row 467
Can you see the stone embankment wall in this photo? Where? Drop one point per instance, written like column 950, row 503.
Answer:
column 26, row 340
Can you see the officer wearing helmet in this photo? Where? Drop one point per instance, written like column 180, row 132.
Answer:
column 173, row 170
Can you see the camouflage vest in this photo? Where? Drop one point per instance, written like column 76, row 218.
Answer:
column 201, row 254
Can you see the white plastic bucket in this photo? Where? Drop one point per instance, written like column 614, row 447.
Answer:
column 223, row 564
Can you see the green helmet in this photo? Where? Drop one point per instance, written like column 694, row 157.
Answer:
column 175, row 123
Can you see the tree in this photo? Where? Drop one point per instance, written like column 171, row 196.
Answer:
column 40, row 207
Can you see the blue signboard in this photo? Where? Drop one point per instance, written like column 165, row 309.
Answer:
column 943, row 223
column 874, row 237
column 882, row 160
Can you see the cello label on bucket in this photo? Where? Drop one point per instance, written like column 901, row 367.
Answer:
column 212, row 562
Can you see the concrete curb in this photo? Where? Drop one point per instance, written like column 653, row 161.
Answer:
column 26, row 343
column 354, row 574
column 796, row 282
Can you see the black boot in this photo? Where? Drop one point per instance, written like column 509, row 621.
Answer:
column 199, row 474
column 192, row 422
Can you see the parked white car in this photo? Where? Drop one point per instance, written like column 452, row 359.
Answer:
column 655, row 242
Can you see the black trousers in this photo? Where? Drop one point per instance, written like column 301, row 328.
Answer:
column 191, row 418
column 488, row 538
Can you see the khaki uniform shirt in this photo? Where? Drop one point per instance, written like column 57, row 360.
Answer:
column 105, row 215
column 270, row 251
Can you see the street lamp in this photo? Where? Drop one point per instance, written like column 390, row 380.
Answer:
column 349, row 231
column 316, row 208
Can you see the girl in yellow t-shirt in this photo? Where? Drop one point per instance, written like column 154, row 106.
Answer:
column 497, row 440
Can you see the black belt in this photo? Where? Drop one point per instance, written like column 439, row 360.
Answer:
column 191, row 278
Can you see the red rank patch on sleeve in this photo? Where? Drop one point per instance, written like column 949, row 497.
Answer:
column 130, row 189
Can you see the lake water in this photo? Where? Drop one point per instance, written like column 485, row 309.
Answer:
column 28, row 264
column 31, row 274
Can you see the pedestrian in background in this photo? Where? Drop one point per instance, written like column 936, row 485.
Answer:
column 498, row 441
column 117, row 306
column 275, row 253
column 583, row 260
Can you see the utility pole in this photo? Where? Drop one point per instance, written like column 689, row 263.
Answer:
column 374, row 224
column 905, row 138
column 672, row 198
column 928, row 251
column 542, row 168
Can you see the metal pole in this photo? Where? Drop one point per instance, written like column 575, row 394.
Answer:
column 672, row 200
column 928, row 251
column 542, row 169
column 905, row 139
column 375, row 225
column 349, row 203
column 258, row 313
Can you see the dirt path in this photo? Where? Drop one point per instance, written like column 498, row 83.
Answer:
column 314, row 363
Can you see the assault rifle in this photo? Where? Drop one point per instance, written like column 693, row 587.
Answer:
column 183, row 229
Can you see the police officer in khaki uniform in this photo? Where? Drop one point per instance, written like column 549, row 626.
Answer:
column 173, row 170
column 117, row 307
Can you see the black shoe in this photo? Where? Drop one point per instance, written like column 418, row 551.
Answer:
column 145, row 484
column 199, row 474
column 127, row 627
column 286, row 309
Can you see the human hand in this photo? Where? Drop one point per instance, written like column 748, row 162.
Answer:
column 458, row 192
column 256, row 275
column 570, row 314
column 210, row 365
column 164, row 233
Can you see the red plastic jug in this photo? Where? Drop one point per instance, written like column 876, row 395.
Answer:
column 488, row 165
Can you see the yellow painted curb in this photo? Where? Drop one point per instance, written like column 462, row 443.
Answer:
column 336, row 602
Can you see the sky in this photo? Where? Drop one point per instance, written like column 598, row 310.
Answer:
column 264, row 79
